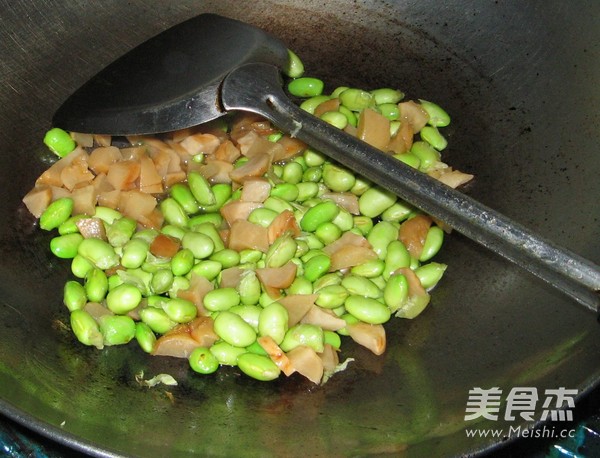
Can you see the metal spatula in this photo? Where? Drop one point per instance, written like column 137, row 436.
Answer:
column 209, row 65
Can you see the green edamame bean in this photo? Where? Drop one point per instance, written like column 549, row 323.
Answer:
column 316, row 267
column 300, row 285
column 207, row 269
column 331, row 296
column 433, row 243
column 286, row 191
column 249, row 313
column 374, row 201
column 437, row 115
column 277, row 204
column 356, row 99
column 157, row 320
column 221, row 299
column 138, row 278
column 173, row 212
column 309, row 105
column 135, row 252
column 56, row 213
column 124, row 298
column 173, row 231
column 182, row 262
column 305, row 87
column 430, row 274
column 74, row 296
column 294, row 67
column 201, row 190
column 328, row 233
column 226, row 353
column 162, row 281
column 179, row 283
column 321, row 213
column 262, row 216
column 201, row 245
column 338, row 90
column 184, row 197
column 433, row 136
column 70, row 225
column 259, row 367
column 116, row 329
column 121, row 231
column 292, row 172
column 107, row 214
column 409, row 159
column 211, row 231
column 180, row 310
column 66, row 246
column 336, row 119
column 361, row 286
column 227, row 257
column 395, row 292
column 214, row 218
column 313, row 158
column 337, row 178
column 366, row 309
column 281, row 251
column 96, row 285
column 273, row 322
column 202, row 361
column 389, row 110
column 369, row 269
column 361, row 185
column 344, row 220
column 145, row 337
column 100, row 253
column 59, row 142
column 379, row 282
column 303, row 334
column 80, row 266
column 332, row 338
column 256, row 348
column 381, row 235
column 233, row 329
column 249, row 288
column 306, row 190
column 312, row 175
column 222, row 193
column 363, row 223
column 397, row 212
column 349, row 114
column 426, row 154
column 86, row 329
column 397, row 256
column 387, row 95
column 147, row 235
column 114, row 281
column 249, row 256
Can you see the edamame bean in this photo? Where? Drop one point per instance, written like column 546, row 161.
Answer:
column 100, row 253
column 433, row 136
column 249, row 256
column 395, row 292
column 173, row 212
column 226, row 353
column 303, row 334
column 332, row 278
column 273, row 322
column 281, row 251
column 145, row 337
column 349, row 114
column 337, row 178
column 331, row 296
column 397, row 256
column 292, row 172
column 74, row 296
column 116, row 329
column 316, row 267
column 335, row 118
column 222, row 193
column 387, row 95
column 70, row 225
column 249, row 288
column 361, row 286
column 173, row 231
column 221, row 299
column 256, row 348
column 86, row 329
column 374, row 201
column 363, row 223
column 233, row 329
column 107, row 214
column 389, row 110
column 135, row 252
column 433, row 243
column 394, row 128
column 397, row 212
column 214, row 218
column 328, row 233
column 201, row 190
column 182, row 262
column 381, row 235
column 430, row 274
column 437, row 115
column 369, row 269
column 80, row 266
column 96, row 285
column 202, row 361
column 121, row 231
column 321, row 213
column 66, row 246
column 313, row 158
column 207, row 269
column 309, row 105
column 262, row 216
column 332, row 338
column 56, row 213
column 294, row 67
column 249, row 313
column 366, row 309
column 344, row 220
column 306, row 190
column 356, row 99
column 157, row 319
column 227, row 257
column 277, row 204
column 180, row 310
column 349, row 319
column 162, row 281
column 124, row 298
column 426, row 154
column 179, row 283
column 59, row 142
column 409, row 159
column 305, row 87
column 201, row 245
column 259, row 367
column 184, row 197
column 136, row 277
column 286, row 191
column 147, row 235
column 300, row 285
column 312, row 175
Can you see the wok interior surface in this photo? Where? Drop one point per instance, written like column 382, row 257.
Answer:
column 521, row 88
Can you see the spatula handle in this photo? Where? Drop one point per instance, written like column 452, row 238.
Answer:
column 258, row 88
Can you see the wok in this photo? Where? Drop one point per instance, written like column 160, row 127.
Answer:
column 521, row 87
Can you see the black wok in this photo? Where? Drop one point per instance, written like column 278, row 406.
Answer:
column 521, row 82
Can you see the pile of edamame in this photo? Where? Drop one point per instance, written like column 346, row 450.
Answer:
column 131, row 281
